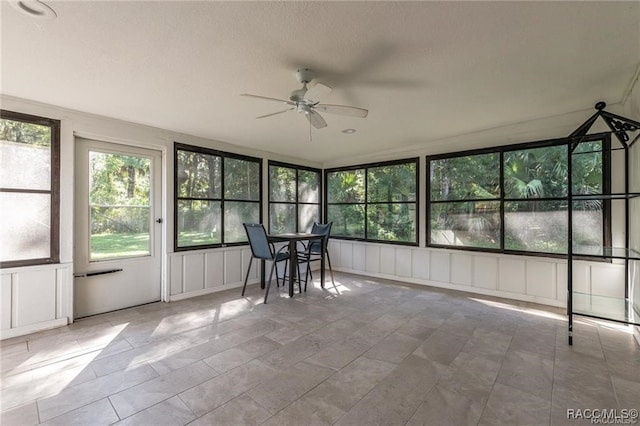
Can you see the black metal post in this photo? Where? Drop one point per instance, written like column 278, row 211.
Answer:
column 570, row 148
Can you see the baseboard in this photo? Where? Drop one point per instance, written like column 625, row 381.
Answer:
column 33, row 328
column 202, row 292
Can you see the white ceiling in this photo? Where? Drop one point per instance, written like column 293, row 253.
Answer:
column 425, row 70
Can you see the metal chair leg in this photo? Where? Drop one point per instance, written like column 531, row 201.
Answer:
column 247, row 276
column 306, row 274
column 273, row 265
column 330, row 268
column 300, row 279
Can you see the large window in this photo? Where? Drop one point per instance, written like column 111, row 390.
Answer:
column 374, row 202
column 294, row 198
column 216, row 192
column 515, row 198
column 29, row 189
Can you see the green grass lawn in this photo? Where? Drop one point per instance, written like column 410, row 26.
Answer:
column 109, row 246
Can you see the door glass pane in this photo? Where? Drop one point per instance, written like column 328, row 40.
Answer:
column 119, row 205
column 25, row 226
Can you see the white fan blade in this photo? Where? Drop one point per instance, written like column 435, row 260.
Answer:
column 275, row 113
column 317, row 92
column 342, row 110
column 268, row 99
column 316, row 120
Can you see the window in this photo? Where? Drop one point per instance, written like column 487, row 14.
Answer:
column 216, row 192
column 374, row 202
column 119, row 205
column 515, row 198
column 29, row 189
column 294, row 198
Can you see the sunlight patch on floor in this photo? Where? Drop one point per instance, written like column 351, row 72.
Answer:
column 530, row 311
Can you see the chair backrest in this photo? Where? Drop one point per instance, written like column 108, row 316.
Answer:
column 258, row 241
column 325, row 230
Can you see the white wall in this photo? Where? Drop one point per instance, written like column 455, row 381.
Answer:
column 632, row 110
column 37, row 298
column 528, row 278
column 26, row 292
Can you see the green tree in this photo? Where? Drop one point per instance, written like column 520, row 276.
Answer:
column 28, row 133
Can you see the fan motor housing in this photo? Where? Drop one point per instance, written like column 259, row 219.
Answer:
column 298, row 95
column 304, row 75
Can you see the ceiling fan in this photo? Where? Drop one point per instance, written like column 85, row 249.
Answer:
column 306, row 101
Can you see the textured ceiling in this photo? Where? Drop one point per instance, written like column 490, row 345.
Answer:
column 425, row 70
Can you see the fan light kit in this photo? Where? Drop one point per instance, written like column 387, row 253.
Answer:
column 306, row 101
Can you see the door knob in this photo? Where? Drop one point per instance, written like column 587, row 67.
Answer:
column 159, row 220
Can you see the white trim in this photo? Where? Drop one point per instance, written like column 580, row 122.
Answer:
column 32, row 328
column 209, row 290
column 463, row 288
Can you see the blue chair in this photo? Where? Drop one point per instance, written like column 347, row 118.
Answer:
column 313, row 250
column 262, row 249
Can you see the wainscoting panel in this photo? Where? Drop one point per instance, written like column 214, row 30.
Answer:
column 359, row 257
column 461, row 268
column 420, row 264
column 511, row 275
column 194, row 272
column 439, row 267
column 534, row 279
column 372, row 259
column 35, row 298
column 541, row 279
column 403, row 262
column 233, row 266
column 485, row 272
column 388, row 260
column 214, row 264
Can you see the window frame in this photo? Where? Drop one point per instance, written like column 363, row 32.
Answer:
column 53, row 192
column 502, row 199
column 366, row 203
column 178, row 146
column 297, row 203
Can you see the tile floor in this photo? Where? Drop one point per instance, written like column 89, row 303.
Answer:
column 379, row 352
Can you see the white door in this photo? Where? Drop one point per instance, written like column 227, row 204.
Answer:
column 117, row 243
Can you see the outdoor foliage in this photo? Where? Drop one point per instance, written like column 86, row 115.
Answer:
column 119, row 203
column 27, row 133
column 294, row 199
column 25, row 167
column 535, row 198
column 206, row 182
column 387, row 202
